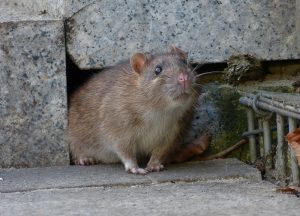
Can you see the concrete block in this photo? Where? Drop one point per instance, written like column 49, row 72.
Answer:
column 33, row 112
column 198, row 198
column 73, row 6
column 21, row 10
column 105, row 32
column 111, row 175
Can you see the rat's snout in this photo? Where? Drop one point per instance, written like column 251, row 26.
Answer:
column 183, row 80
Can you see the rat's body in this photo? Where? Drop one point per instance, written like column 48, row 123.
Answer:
column 131, row 111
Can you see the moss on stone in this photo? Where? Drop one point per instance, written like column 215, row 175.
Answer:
column 242, row 68
column 281, row 89
column 230, row 115
column 232, row 123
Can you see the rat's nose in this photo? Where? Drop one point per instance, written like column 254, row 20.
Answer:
column 183, row 79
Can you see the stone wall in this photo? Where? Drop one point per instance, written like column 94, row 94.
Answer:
column 211, row 31
column 33, row 100
column 33, row 48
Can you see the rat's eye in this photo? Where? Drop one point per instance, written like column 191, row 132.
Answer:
column 158, row 70
column 184, row 61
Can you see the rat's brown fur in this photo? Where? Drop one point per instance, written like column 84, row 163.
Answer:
column 127, row 112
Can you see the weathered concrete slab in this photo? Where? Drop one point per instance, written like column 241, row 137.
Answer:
column 202, row 198
column 34, row 10
column 32, row 94
column 73, row 6
column 114, row 175
column 207, row 170
column 67, row 177
column 105, row 32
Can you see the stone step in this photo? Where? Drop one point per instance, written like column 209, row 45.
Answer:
column 218, row 187
column 14, row 180
column 33, row 99
column 103, row 33
column 226, row 198
column 31, row 10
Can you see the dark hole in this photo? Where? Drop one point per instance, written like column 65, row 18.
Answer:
column 282, row 63
column 76, row 77
column 208, row 67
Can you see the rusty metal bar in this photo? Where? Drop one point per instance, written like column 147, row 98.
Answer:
column 284, row 105
column 294, row 164
column 267, row 143
column 281, row 105
column 261, row 140
column 265, row 106
column 280, row 164
column 251, row 127
column 285, row 98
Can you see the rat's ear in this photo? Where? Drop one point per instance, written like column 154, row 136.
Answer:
column 137, row 62
column 176, row 50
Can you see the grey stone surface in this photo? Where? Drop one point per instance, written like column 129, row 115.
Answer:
column 298, row 21
column 218, row 187
column 73, row 6
column 21, row 10
column 207, row 116
column 105, row 32
column 32, row 94
column 219, row 113
column 114, row 175
column 67, row 177
column 208, row 170
column 231, row 197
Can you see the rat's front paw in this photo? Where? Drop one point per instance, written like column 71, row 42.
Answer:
column 137, row 171
column 156, row 167
column 85, row 161
column 132, row 167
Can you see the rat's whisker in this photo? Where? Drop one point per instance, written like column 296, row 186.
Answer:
column 197, row 67
column 164, row 75
column 196, row 92
column 209, row 73
column 198, row 85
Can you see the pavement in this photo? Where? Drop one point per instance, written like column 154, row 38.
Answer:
column 217, row 187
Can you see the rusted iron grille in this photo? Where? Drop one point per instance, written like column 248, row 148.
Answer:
column 262, row 109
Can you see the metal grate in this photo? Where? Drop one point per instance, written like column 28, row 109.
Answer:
column 261, row 107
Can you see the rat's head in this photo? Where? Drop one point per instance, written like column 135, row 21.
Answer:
column 164, row 77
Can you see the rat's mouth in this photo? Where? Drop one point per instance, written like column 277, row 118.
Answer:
column 183, row 96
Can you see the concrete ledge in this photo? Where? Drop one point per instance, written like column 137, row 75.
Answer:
column 33, row 99
column 105, row 32
column 229, row 189
column 230, row 168
column 31, row 10
column 114, row 175
column 231, row 197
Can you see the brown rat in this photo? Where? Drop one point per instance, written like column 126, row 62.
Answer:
column 136, row 109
